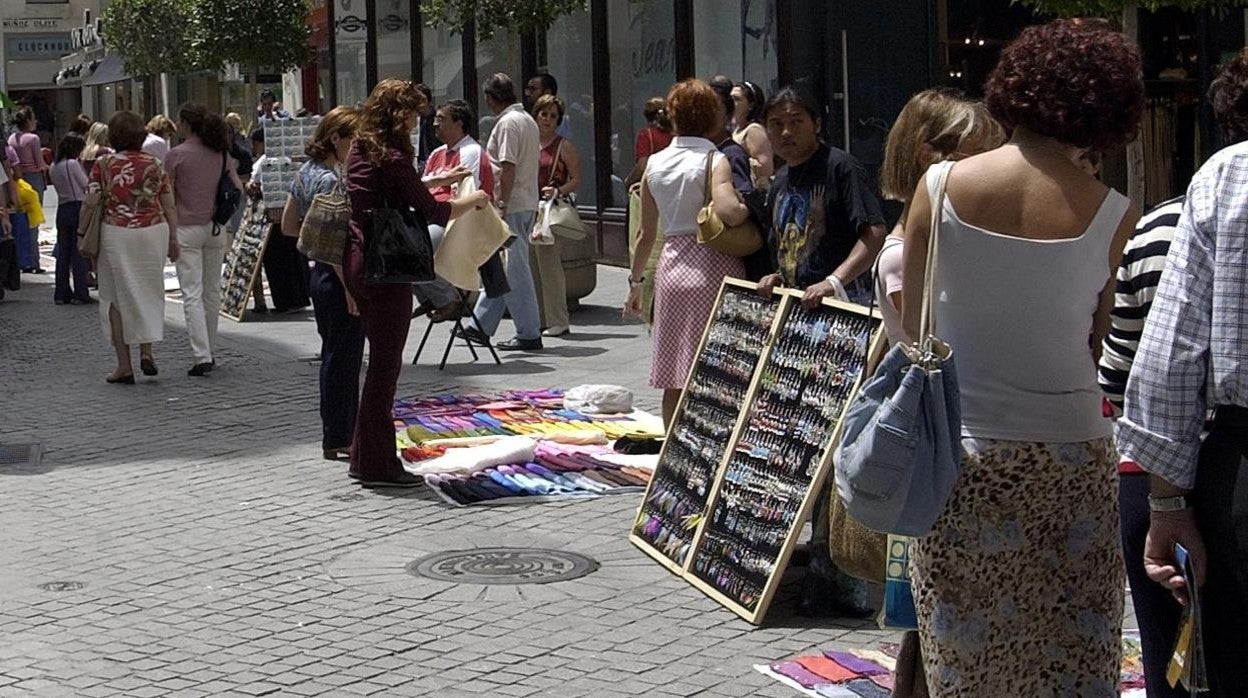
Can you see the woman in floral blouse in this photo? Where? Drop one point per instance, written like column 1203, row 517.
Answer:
column 139, row 229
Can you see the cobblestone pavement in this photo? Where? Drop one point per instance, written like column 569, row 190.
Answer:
column 218, row 555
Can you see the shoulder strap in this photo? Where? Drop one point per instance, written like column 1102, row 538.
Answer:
column 710, row 165
column 554, row 164
column 937, row 180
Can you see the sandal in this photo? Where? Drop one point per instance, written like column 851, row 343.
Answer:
column 127, row 379
column 148, row 366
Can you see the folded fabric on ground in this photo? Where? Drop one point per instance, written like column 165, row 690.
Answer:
column 518, row 447
column 858, row 673
column 471, row 459
column 555, row 472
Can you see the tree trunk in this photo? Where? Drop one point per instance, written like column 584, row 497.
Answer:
column 1135, row 150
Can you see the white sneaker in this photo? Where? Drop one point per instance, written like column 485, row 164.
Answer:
column 556, row 331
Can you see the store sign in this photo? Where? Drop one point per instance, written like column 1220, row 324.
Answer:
column 36, row 47
column 89, row 35
column 44, row 23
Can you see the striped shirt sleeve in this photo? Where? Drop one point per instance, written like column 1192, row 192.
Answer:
column 1143, row 260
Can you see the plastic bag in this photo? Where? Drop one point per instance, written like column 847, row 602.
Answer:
column 541, row 234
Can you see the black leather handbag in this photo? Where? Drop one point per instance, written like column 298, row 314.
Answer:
column 397, row 247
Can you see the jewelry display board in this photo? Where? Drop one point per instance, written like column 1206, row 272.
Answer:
column 709, row 410
column 774, row 445
column 284, row 143
column 242, row 262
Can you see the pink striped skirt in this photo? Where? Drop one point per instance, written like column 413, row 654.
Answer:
column 686, row 285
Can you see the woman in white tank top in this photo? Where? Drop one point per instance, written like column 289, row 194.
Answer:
column 1019, row 589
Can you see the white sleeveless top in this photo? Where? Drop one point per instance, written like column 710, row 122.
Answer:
column 676, row 177
column 1018, row 313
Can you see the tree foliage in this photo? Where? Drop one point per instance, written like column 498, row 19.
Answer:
column 152, row 36
column 493, row 15
column 1114, row 8
column 172, row 36
column 270, row 33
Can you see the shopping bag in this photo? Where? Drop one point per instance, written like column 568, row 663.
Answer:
column 898, row 610
column 541, row 234
column 634, row 232
column 469, row 242
column 855, row 549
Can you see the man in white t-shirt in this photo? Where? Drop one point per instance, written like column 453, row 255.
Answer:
column 513, row 149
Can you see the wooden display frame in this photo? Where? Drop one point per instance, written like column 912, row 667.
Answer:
column 788, row 300
column 248, row 269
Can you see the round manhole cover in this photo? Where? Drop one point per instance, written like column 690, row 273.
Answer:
column 503, row 566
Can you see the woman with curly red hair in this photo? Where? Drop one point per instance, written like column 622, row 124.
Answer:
column 1019, row 587
column 380, row 173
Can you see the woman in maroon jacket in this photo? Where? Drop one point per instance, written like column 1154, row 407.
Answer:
column 380, row 172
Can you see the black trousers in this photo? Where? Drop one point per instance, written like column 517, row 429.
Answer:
column 71, row 266
column 1220, row 501
column 1156, row 610
column 286, row 268
column 342, row 353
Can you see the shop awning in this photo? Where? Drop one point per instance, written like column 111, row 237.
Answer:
column 111, row 69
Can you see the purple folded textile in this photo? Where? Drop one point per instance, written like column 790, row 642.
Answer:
column 798, row 673
column 857, row 665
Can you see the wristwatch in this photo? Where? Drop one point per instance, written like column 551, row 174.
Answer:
column 1163, row 504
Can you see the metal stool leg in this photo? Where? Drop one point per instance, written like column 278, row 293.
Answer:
column 489, row 343
column 449, row 342
column 423, row 340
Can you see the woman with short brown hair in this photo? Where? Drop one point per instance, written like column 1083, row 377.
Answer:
column 689, row 275
column 139, row 229
column 380, row 173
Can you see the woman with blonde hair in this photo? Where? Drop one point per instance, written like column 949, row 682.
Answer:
column 159, row 130
column 381, row 173
column 689, row 275
column 139, row 230
column 97, row 145
column 934, row 125
column 337, row 317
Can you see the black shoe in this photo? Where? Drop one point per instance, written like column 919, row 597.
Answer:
column 200, row 370
column 260, row 309
column 38, row 270
column 404, row 479
column 423, row 309
column 473, row 335
column 518, row 344
column 148, row 367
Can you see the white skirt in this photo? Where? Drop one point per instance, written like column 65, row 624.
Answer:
column 131, row 275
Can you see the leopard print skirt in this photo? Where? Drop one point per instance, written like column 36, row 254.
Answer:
column 1019, row 589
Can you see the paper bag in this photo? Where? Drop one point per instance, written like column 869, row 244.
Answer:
column 470, row 240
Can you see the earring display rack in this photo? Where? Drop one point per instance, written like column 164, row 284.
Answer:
column 729, row 522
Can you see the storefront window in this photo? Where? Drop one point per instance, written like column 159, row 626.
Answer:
column 569, row 58
column 394, row 44
column 736, row 38
column 501, row 54
column 443, row 63
column 351, row 39
column 642, row 43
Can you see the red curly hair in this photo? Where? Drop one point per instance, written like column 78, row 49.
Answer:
column 694, row 108
column 382, row 123
column 1072, row 80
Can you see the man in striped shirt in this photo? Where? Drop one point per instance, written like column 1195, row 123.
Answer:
column 1143, row 260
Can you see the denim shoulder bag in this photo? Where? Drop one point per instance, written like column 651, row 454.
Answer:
column 397, row 247
column 900, row 450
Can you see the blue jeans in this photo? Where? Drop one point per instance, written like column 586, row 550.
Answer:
column 342, row 353
column 521, row 301
column 70, row 264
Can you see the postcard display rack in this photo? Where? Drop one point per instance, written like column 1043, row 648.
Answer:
column 284, row 143
column 242, row 262
column 751, row 441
